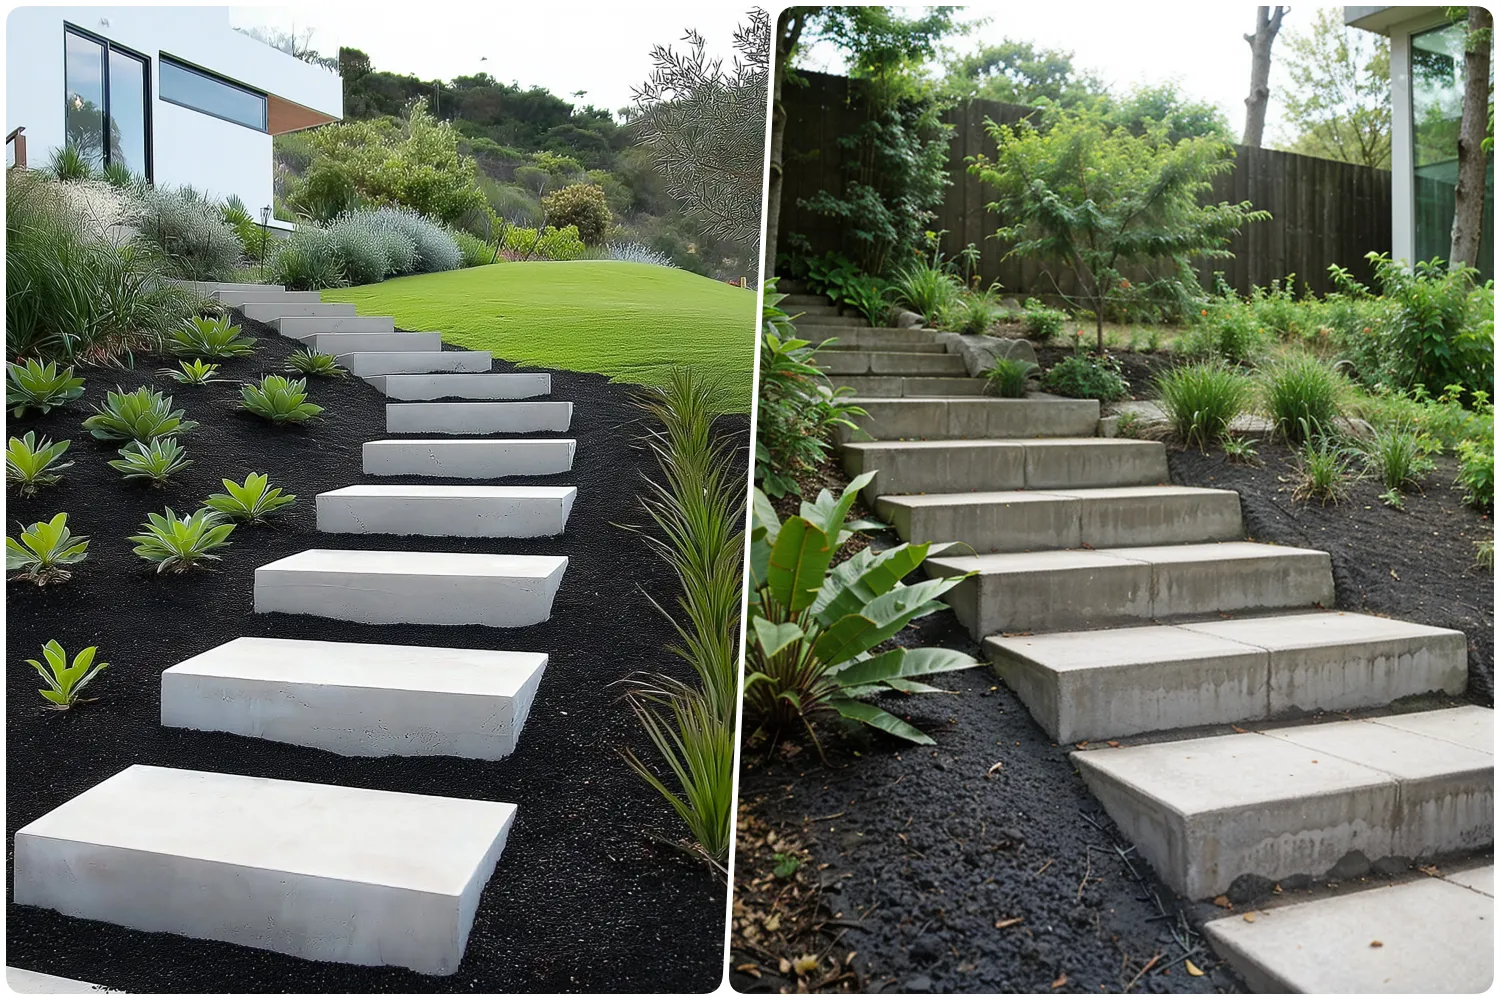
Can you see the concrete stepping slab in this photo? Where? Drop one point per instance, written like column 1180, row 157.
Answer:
column 317, row 871
column 873, row 339
column 239, row 296
column 412, row 588
column 907, row 467
column 457, row 385
column 1020, row 520
column 357, row 699
column 1112, row 683
column 23, row 981
column 862, row 362
column 898, row 387
column 1296, row 801
column 302, row 327
column 485, row 458
column 447, row 510
column 364, row 363
column 352, row 343
column 824, row 319
column 478, row 418
column 1082, row 588
column 208, row 288
column 988, row 417
column 268, row 311
column 1435, row 937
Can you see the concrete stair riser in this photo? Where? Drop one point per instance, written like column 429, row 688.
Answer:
column 454, row 511
column 897, row 387
column 357, row 699
column 412, row 588
column 208, row 288
column 268, row 311
column 238, row 297
column 456, row 385
column 890, row 363
column 302, row 327
column 792, row 301
column 876, row 338
column 352, row 343
column 954, row 419
column 267, row 864
column 477, row 418
column 905, row 467
column 415, row 362
column 826, row 320
column 461, row 459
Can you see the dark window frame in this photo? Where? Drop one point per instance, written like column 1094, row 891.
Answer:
column 147, row 120
column 182, row 64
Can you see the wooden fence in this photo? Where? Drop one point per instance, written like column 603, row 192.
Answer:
column 1322, row 211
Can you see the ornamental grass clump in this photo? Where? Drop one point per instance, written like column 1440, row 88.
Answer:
column 1399, row 457
column 1009, row 378
column 1325, row 470
column 1302, row 396
column 1202, row 400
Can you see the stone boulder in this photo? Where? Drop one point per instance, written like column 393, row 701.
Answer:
column 980, row 351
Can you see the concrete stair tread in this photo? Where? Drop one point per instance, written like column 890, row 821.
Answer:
column 1436, row 937
column 863, row 361
column 266, row 312
column 469, row 417
column 364, row 363
column 993, row 464
column 351, row 343
column 908, row 386
column 1048, row 495
column 462, row 385
column 430, row 564
column 465, row 458
column 980, row 417
column 302, row 327
column 447, row 510
column 1034, row 562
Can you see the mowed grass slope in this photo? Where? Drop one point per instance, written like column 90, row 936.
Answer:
column 632, row 322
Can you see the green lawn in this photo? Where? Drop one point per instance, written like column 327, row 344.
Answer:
column 629, row 321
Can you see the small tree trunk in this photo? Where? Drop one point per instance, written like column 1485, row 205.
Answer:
column 1267, row 25
column 1468, row 195
column 789, row 25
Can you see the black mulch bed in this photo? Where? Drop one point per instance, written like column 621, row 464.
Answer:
column 592, row 893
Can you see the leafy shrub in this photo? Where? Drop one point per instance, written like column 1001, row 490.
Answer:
column 436, row 248
column 871, row 298
column 195, row 372
column 1476, row 472
column 369, row 249
column 32, row 385
column 30, row 465
column 156, row 461
column 1324, row 471
column 1202, row 400
column 582, row 206
column 189, row 231
column 1227, row 330
column 474, row 251
column 550, row 244
column 831, row 275
column 637, row 253
column 176, row 544
column 210, row 337
column 307, row 260
column 44, row 550
column 1276, row 310
column 1444, row 419
column 64, row 682
column 315, row 363
column 1008, row 377
column 1043, row 322
column 280, row 400
column 1081, row 377
column 1302, row 395
column 252, row 501
column 252, row 236
column 141, row 415
column 926, row 289
column 1399, row 457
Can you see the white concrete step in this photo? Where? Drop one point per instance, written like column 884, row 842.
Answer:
column 268, row 311
column 1431, row 936
column 415, row 362
column 890, row 363
column 486, row 458
column 904, row 467
column 446, row 385
column 357, row 699
column 1297, row 800
column 478, row 418
column 317, row 871
column 353, row 343
column 239, row 296
column 986, row 417
column 302, row 327
column 23, row 981
column 1083, row 588
column 1121, row 682
column 456, row 510
column 208, row 288
column 1022, row 520
column 897, row 386
column 412, row 588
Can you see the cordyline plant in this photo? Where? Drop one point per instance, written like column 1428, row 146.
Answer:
column 1098, row 199
column 814, row 625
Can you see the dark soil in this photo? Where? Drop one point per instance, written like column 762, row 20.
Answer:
column 593, row 892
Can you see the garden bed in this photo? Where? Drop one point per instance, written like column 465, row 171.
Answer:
column 592, row 893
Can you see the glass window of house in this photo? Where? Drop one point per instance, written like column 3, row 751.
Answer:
column 83, row 72
column 106, row 110
column 127, row 111
column 193, row 88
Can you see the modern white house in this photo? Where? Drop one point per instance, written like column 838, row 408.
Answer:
column 174, row 94
column 1427, row 85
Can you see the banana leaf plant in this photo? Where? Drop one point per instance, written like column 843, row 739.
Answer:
column 814, row 625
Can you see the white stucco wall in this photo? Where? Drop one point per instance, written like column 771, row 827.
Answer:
column 188, row 147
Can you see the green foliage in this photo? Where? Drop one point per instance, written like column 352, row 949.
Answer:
column 1042, row 322
column 1082, row 377
column 833, row 275
column 251, row 501
column 315, row 363
column 1302, row 395
column 280, row 400
column 1202, row 400
column 871, row 298
column 1399, row 457
column 195, row 372
column 1008, row 377
column 65, row 682
column 69, row 164
column 1484, row 553
column 1324, row 470
column 581, row 206
column 1339, row 104
column 156, row 462
column 1018, row 72
column 33, row 385
column 176, row 544
column 474, row 251
column 141, row 415
column 926, row 288
column 1241, row 451
column 550, row 244
column 210, row 337
column 44, row 551
column 1226, row 329
column 786, row 864
column 1476, row 472
column 189, row 231
column 814, row 625
column 307, row 260
column 976, row 312
column 30, row 465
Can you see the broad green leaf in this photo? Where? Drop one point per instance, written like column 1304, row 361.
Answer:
column 880, row 719
column 880, row 619
column 774, row 638
column 798, row 560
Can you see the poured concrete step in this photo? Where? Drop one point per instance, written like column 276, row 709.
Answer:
column 357, row 699
column 824, row 319
column 1005, row 464
column 810, row 311
column 366, row 363
column 897, row 386
column 239, row 296
column 351, row 343
column 478, row 418
column 267, row 311
column 949, row 419
column 208, row 288
column 462, row 511
column 799, row 299
column 1121, row 682
column 1027, row 520
column 890, row 363
column 1431, row 936
column 1298, row 800
column 412, row 588
column 23, row 981
column 302, row 327
column 878, row 338
column 1082, row 588
column 481, row 459
column 457, row 385
column 317, row 871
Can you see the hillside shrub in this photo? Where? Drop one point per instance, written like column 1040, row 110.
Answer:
column 553, row 244
column 306, row 261
column 582, row 206
column 1081, row 377
column 190, row 232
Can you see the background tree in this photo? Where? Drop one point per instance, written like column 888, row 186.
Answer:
column 1267, row 24
column 1338, row 104
column 581, row 205
column 1017, row 72
column 1474, row 139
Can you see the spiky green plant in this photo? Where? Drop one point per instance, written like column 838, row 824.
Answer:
column 195, row 372
column 1008, row 378
column 251, row 502
column 315, row 363
column 176, row 544
column 1202, row 400
column 44, row 551
column 280, row 400
column 1324, row 470
column 141, row 415
column 64, row 682
column 1400, row 457
column 32, row 385
column 210, row 337
column 154, row 461
column 1302, row 395
column 30, row 465
column 1240, row 450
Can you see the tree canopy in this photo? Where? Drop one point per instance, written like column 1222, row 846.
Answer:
column 1339, row 103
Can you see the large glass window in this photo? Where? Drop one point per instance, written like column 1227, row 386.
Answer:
column 193, row 88
column 83, row 69
column 127, row 111
column 1437, row 85
column 106, row 109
